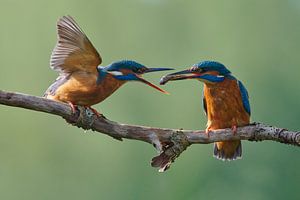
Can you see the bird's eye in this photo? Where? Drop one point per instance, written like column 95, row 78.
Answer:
column 198, row 70
column 195, row 69
column 138, row 70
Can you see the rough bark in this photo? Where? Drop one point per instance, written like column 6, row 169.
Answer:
column 169, row 142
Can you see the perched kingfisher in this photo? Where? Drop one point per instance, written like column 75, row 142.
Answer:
column 82, row 81
column 225, row 101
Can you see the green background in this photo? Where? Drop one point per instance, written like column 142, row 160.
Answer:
column 41, row 157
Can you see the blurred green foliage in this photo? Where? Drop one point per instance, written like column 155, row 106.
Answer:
column 44, row 158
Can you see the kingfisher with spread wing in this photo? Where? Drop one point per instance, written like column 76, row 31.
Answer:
column 82, row 81
column 225, row 101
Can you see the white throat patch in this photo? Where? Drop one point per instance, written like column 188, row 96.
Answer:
column 115, row 73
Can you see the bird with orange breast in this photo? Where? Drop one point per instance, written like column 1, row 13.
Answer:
column 82, row 81
column 225, row 101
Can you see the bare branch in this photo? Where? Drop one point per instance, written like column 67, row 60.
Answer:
column 170, row 142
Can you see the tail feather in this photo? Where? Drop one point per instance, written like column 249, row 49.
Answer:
column 230, row 150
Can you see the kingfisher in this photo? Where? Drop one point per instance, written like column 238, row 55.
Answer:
column 82, row 80
column 225, row 101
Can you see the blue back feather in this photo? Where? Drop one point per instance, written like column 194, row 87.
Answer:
column 245, row 97
column 204, row 104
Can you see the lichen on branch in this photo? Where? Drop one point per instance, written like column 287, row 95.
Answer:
column 169, row 142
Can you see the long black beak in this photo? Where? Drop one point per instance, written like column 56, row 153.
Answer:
column 181, row 75
column 157, row 69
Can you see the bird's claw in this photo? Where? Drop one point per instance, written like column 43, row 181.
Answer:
column 73, row 107
column 234, row 129
column 85, row 118
column 207, row 130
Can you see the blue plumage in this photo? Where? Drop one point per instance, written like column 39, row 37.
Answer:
column 117, row 66
column 245, row 97
column 127, row 77
column 124, row 64
column 216, row 66
column 219, row 67
column 102, row 71
column 212, row 66
column 127, row 70
column 212, row 78
column 225, row 102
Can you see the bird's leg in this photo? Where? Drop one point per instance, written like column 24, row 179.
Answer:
column 94, row 111
column 74, row 117
column 234, row 129
column 73, row 107
column 207, row 130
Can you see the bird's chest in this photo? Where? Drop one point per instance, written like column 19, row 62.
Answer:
column 82, row 89
column 224, row 105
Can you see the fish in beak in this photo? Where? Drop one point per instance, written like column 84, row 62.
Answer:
column 191, row 74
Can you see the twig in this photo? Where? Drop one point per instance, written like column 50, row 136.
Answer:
column 169, row 142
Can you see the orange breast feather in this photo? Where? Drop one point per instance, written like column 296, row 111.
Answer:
column 81, row 89
column 224, row 105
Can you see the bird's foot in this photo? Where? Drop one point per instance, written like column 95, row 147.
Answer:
column 83, row 118
column 234, row 129
column 75, row 113
column 207, row 130
column 73, row 107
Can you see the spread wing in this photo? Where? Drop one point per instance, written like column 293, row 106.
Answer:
column 245, row 97
column 73, row 51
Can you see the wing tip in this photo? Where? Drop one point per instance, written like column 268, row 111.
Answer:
column 68, row 32
column 70, row 39
column 65, row 18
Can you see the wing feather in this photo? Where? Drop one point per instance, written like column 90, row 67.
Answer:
column 73, row 51
column 204, row 103
column 245, row 97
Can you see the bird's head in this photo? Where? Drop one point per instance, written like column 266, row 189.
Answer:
column 206, row 71
column 128, row 70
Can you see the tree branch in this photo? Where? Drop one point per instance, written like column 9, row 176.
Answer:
column 169, row 142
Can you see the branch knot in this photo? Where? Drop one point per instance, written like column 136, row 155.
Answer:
column 178, row 143
column 83, row 118
column 170, row 143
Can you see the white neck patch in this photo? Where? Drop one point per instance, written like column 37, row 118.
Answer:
column 116, row 73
